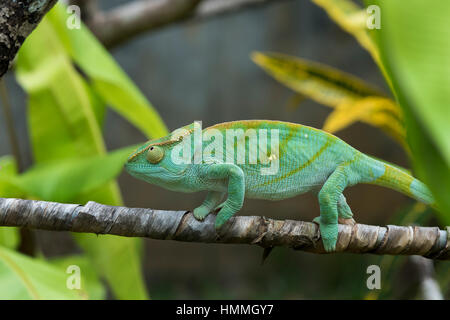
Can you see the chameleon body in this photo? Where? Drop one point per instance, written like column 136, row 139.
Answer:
column 303, row 159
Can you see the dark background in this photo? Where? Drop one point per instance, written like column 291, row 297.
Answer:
column 202, row 71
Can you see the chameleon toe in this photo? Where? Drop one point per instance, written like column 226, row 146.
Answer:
column 201, row 213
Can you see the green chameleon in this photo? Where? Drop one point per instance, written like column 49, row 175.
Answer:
column 262, row 159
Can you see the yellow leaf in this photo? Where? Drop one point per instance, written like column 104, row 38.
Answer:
column 377, row 111
column 324, row 84
column 353, row 99
column 352, row 18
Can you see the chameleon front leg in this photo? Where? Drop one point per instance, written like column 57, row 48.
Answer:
column 213, row 198
column 236, row 189
column 329, row 201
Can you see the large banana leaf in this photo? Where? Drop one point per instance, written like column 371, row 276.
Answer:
column 64, row 115
column 352, row 98
column 22, row 277
column 48, row 181
column 106, row 77
column 413, row 43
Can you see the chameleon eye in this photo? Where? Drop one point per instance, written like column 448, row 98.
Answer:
column 155, row 154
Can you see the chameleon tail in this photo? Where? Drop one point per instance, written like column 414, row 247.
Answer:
column 390, row 176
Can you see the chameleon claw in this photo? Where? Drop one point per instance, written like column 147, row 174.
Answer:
column 201, row 213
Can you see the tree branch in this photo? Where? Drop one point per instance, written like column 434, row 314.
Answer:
column 17, row 20
column 129, row 20
column 429, row 242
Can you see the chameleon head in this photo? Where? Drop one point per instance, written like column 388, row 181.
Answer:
column 153, row 163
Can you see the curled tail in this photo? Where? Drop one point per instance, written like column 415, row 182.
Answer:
column 386, row 175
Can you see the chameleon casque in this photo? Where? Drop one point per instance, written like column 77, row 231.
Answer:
column 291, row 159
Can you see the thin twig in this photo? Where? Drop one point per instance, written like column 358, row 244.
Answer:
column 429, row 242
column 9, row 121
column 27, row 244
column 126, row 21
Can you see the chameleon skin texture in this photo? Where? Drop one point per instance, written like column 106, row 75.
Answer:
column 264, row 159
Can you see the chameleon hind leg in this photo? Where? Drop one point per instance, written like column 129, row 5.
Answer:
column 213, row 198
column 329, row 197
column 235, row 178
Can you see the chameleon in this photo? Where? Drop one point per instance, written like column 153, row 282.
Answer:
column 239, row 159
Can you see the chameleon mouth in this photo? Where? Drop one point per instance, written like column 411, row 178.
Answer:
column 140, row 168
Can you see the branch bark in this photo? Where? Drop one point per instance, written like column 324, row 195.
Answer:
column 17, row 20
column 129, row 20
column 95, row 218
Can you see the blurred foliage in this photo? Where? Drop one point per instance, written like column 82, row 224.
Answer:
column 413, row 48
column 70, row 79
column 22, row 277
column 85, row 174
column 90, row 280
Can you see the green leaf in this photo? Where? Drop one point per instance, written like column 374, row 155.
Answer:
column 107, row 78
column 413, row 45
column 8, row 170
column 60, row 116
column 118, row 258
column 90, row 282
column 49, row 181
column 64, row 117
column 9, row 236
column 22, row 277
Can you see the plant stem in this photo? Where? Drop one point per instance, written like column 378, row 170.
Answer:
column 13, row 141
column 27, row 244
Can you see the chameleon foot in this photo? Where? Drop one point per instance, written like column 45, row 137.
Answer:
column 201, row 213
column 328, row 233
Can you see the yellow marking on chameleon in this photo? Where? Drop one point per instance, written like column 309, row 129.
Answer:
column 303, row 166
column 397, row 177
